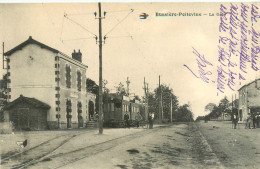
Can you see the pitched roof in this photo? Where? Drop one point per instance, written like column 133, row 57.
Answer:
column 30, row 41
column 34, row 102
column 248, row 84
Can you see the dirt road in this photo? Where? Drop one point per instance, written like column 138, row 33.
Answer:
column 176, row 146
column 236, row 148
column 193, row 145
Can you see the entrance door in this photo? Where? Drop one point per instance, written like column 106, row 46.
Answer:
column 80, row 121
column 23, row 118
column 91, row 110
column 68, row 121
column 240, row 114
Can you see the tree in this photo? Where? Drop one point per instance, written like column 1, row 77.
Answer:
column 167, row 95
column 120, row 89
column 92, row 86
column 210, row 106
column 137, row 98
column 3, row 87
column 184, row 114
column 200, row 118
column 214, row 113
column 223, row 105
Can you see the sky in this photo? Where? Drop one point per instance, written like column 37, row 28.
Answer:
column 134, row 48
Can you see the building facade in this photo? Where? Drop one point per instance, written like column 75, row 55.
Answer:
column 38, row 71
column 249, row 100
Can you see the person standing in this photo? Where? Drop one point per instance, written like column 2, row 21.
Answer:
column 250, row 121
column 126, row 119
column 235, row 120
column 150, row 119
column 138, row 118
column 254, row 122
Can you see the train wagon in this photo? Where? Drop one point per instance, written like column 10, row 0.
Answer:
column 116, row 106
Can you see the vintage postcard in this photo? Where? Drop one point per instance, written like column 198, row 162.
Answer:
column 104, row 85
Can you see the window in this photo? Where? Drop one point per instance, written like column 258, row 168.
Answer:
column 79, row 108
column 112, row 107
column 68, row 76
column 79, row 80
column 68, row 106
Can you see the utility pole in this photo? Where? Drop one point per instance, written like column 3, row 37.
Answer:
column 100, row 112
column 99, row 42
column 3, row 55
column 127, row 83
column 160, row 113
column 232, row 107
column 171, row 110
column 147, row 92
column 146, row 98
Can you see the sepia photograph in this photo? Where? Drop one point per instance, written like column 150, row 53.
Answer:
column 129, row 85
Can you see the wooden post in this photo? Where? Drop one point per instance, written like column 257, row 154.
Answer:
column 171, row 110
column 159, row 106
column 100, row 72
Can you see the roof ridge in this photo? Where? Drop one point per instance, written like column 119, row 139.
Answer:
column 30, row 40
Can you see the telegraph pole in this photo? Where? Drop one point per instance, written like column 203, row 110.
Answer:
column 100, row 112
column 232, row 106
column 99, row 42
column 146, row 97
column 3, row 55
column 127, row 83
column 160, row 114
column 171, row 110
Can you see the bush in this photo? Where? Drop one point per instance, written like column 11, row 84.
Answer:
column 6, row 127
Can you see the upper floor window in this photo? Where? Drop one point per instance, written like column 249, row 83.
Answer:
column 79, row 80
column 112, row 107
column 68, row 76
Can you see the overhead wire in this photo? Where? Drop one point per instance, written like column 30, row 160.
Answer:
column 117, row 11
column 62, row 27
column 135, row 44
column 57, row 32
column 80, row 14
column 120, row 37
column 119, row 22
column 77, row 39
column 80, row 25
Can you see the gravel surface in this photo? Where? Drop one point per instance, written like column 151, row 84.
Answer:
column 181, row 145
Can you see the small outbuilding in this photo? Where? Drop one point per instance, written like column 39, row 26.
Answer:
column 27, row 113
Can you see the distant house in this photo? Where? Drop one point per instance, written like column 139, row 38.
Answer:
column 249, row 100
column 232, row 106
column 42, row 74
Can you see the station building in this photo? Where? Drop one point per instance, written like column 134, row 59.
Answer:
column 47, row 88
column 249, row 100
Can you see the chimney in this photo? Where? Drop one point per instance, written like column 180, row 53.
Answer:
column 77, row 56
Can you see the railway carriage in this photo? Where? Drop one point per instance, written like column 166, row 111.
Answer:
column 116, row 106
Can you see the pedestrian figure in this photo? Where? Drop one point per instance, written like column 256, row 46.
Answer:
column 249, row 122
column 126, row 119
column 254, row 121
column 150, row 119
column 235, row 121
column 138, row 118
column 258, row 121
